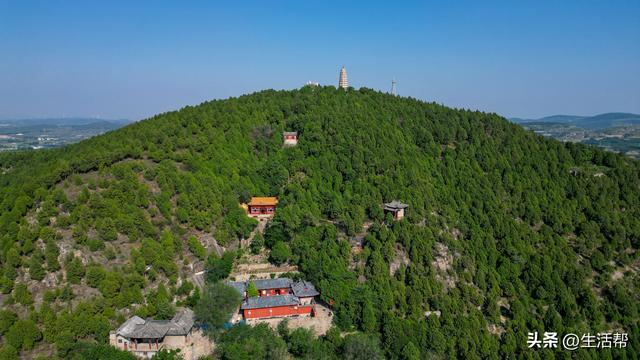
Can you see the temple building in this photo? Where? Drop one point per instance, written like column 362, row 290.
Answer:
column 281, row 297
column 290, row 138
column 261, row 207
column 396, row 208
column 343, row 82
column 145, row 338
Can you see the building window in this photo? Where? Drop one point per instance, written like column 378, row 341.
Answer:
column 119, row 341
column 270, row 210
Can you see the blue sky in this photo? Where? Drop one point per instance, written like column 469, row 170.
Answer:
column 133, row 59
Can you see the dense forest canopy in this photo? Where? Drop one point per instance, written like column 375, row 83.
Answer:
column 507, row 232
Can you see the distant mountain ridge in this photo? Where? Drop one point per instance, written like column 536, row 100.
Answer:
column 70, row 121
column 600, row 121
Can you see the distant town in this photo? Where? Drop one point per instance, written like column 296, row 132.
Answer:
column 619, row 132
column 48, row 133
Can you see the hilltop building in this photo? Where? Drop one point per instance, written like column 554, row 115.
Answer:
column 396, row 208
column 144, row 338
column 290, row 138
column 261, row 207
column 343, row 82
column 281, row 297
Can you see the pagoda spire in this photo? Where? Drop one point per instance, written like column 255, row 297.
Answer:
column 343, row 83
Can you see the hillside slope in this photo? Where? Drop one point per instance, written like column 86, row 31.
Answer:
column 507, row 232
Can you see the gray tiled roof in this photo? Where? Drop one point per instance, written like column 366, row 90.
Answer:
column 181, row 323
column 279, row 283
column 395, row 205
column 290, row 133
column 270, row 301
column 138, row 328
column 129, row 326
column 150, row 329
column 261, row 284
column 304, row 289
column 240, row 286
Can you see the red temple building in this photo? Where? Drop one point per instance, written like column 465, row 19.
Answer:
column 261, row 206
column 290, row 138
column 280, row 297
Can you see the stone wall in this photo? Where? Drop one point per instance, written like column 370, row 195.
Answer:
column 192, row 346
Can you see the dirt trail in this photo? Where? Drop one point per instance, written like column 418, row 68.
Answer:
column 262, row 224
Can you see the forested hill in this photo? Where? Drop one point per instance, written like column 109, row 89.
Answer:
column 507, row 232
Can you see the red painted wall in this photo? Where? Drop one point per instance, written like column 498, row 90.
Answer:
column 277, row 311
column 271, row 292
column 261, row 209
column 267, row 292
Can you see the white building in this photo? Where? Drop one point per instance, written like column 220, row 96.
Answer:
column 343, row 82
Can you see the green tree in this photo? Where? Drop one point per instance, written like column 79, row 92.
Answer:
column 22, row 295
column 51, row 253
column 368, row 317
column 8, row 352
column 361, row 347
column 36, row 270
column 301, row 342
column 185, row 288
column 217, row 303
column 95, row 275
column 93, row 351
column 67, row 293
column 106, row 228
column 251, row 342
column 219, row 268
column 252, row 290
column 197, row 248
column 6, row 284
column 168, row 355
column 75, row 270
column 111, row 284
column 410, row 352
column 7, row 318
column 280, row 253
column 11, row 263
column 257, row 243
column 164, row 308
column 23, row 334
column 65, row 342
